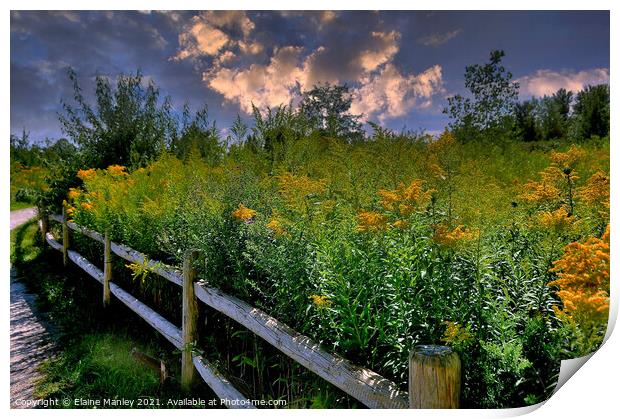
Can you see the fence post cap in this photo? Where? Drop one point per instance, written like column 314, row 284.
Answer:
column 432, row 350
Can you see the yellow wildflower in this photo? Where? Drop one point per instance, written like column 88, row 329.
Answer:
column 567, row 159
column 596, row 190
column 86, row 173
column 558, row 220
column 455, row 333
column 406, row 209
column 275, row 226
column 414, row 191
column 117, row 170
column 87, row 206
column 583, row 279
column 297, row 189
column 244, row 213
column 546, row 190
column 389, row 198
column 450, row 238
column 371, row 221
column 321, row 301
column 74, row 193
column 400, row 224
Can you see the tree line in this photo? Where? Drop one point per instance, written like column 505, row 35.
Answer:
column 131, row 124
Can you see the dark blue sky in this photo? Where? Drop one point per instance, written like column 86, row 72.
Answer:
column 400, row 65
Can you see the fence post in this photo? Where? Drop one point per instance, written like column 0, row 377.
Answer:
column 434, row 378
column 190, row 318
column 44, row 225
column 107, row 269
column 65, row 237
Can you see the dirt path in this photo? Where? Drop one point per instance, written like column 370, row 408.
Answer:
column 31, row 341
column 19, row 217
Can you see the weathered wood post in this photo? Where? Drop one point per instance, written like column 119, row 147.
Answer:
column 107, row 269
column 44, row 224
column 434, row 378
column 190, row 318
column 65, row 237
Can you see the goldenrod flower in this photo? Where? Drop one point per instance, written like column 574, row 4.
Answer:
column 117, row 170
column 583, row 279
column 451, row 238
column 414, row 191
column 400, row 224
column 596, row 190
column 275, row 226
column 567, row 159
column 244, row 213
column 321, row 301
column 455, row 333
column 86, row 174
column 371, row 221
column 74, row 193
column 558, row 220
column 389, row 198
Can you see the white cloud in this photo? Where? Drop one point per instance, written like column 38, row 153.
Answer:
column 386, row 46
column 200, row 38
column 208, row 33
column 262, row 85
column 378, row 87
column 252, row 48
column 437, row 39
column 390, row 94
column 547, row 82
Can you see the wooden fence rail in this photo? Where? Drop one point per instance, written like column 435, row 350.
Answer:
column 368, row 387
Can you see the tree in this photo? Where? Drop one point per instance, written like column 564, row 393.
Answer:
column 198, row 134
column 526, row 121
column 128, row 125
column 328, row 108
column 554, row 114
column 238, row 130
column 492, row 101
column 591, row 112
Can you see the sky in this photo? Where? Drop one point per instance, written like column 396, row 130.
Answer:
column 400, row 66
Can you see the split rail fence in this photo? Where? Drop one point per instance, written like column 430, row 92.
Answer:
column 434, row 380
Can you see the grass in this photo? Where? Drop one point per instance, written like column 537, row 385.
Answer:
column 25, row 243
column 94, row 360
column 15, row 205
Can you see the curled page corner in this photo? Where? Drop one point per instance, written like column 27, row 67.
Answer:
column 568, row 368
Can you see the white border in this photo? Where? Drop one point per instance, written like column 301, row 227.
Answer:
column 593, row 390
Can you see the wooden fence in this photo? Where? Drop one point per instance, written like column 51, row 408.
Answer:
column 429, row 384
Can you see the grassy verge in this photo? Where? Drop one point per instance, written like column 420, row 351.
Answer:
column 20, row 205
column 94, row 360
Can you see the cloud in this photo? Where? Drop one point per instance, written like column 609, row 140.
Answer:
column 230, row 19
column 262, row 85
column 201, row 38
column 390, row 94
column 547, row 82
column 378, row 87
column 382, row 49
column 342, row 59
column 208, row 33
column 437, row 39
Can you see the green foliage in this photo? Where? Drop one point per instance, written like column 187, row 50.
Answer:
column 327, row 107
column 285, row 235
column 368, row 247
column 127, row 125
column 591, row 112
column 493, row 96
